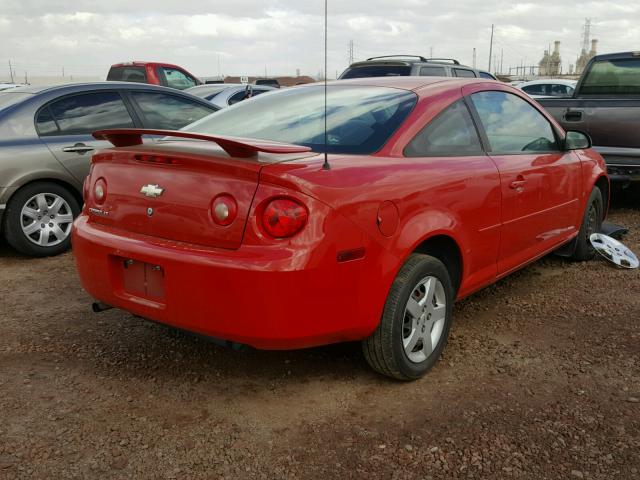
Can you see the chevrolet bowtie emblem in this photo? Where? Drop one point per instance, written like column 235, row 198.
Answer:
column 152, row 191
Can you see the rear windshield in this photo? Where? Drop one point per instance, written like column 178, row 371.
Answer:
column 127, row 74
column 8, row 98
column 377, row 71
column 613, row 77
column 359, row 119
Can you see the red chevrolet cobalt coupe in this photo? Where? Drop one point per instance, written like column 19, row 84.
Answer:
column 239, row 228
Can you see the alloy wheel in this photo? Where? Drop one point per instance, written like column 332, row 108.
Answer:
column 424, row 319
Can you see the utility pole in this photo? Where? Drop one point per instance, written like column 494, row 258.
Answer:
column 430, row 52
column 26, row 82
column 11, row 71
column 490, row 49
column 501, row 58
column 62, row 72
column 350, row 54
column 474, row 57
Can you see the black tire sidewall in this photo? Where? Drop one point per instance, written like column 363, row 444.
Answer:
column 12, row 221
column 428, row 266
column 584, row 249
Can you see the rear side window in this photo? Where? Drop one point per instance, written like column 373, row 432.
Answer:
column 613, row 77
column 45, row 124
column 463, row 72
column 177, row 79
column 85, row 113
column 168, row 112
column 377, row 71
column 433, row 72
column 487, row 75
column 127, row 74
column 538, row 89
column 451, row 133
column 512, row 125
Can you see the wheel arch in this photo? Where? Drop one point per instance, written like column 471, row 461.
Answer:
column 77, row 194
column 603, row 184
column 446, row 249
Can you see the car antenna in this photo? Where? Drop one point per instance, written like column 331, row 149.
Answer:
column 325, row 165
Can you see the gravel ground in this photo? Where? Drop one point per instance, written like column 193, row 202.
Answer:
column 541, row 379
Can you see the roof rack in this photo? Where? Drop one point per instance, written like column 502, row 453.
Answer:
column 396, row 56
column 452, row 60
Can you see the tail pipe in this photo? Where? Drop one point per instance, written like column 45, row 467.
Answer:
column 98, row 307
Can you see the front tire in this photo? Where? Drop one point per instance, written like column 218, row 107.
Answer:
column 415, row 322
column 38, row 219
column 591, row 223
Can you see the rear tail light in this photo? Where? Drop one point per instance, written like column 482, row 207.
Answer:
column 100, row 191
column 284, row 217
column 224, row 209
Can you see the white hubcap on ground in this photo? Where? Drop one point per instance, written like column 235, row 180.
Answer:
column 46, row 219
column 424, row 318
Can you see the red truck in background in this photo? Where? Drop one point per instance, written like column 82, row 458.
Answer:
column 154, row 73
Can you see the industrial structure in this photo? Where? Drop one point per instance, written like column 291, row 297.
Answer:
column 551, row 63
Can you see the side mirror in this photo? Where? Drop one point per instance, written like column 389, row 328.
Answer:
column 576, row 140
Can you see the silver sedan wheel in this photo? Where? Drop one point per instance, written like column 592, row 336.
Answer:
column 424, row 318
column 46, row 219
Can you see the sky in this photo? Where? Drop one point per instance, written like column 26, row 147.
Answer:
column 277, row 37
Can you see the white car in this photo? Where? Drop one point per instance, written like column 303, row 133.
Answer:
column 223, row 95
column 551, row 87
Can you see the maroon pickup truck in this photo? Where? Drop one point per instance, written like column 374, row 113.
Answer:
column 154, row 73
column 606, row 105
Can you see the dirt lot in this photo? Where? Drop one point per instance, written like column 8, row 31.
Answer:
column 541, row 379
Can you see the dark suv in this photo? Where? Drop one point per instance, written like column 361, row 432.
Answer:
column 410, row 65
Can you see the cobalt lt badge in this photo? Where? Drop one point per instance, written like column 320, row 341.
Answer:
column 152, row 191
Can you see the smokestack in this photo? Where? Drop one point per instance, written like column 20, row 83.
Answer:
column 556, row 48
column 594, row 46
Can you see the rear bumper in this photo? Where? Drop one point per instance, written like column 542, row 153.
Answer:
column 260, row 296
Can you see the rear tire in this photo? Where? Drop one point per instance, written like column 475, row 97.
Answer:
column 591, row 223
column 38, row 219
column 415, row 322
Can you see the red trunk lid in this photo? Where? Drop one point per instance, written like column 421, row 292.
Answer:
column 190, row 174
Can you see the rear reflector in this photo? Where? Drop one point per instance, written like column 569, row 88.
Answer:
column 224, row 209
column 348, row 255
column 100, row 191
column 284, row 217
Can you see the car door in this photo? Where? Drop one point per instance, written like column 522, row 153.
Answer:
column 465, row 179
column 540, row 182
column 159, row 110
column 65, row 125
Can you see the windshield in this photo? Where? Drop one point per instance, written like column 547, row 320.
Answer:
column 8, row 98
column 359, row 119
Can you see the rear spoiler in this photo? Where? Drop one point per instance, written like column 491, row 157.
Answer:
column 234, row 146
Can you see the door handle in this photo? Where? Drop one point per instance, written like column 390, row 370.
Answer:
column 517, row 184
column 573, row 115
column 78, row 148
